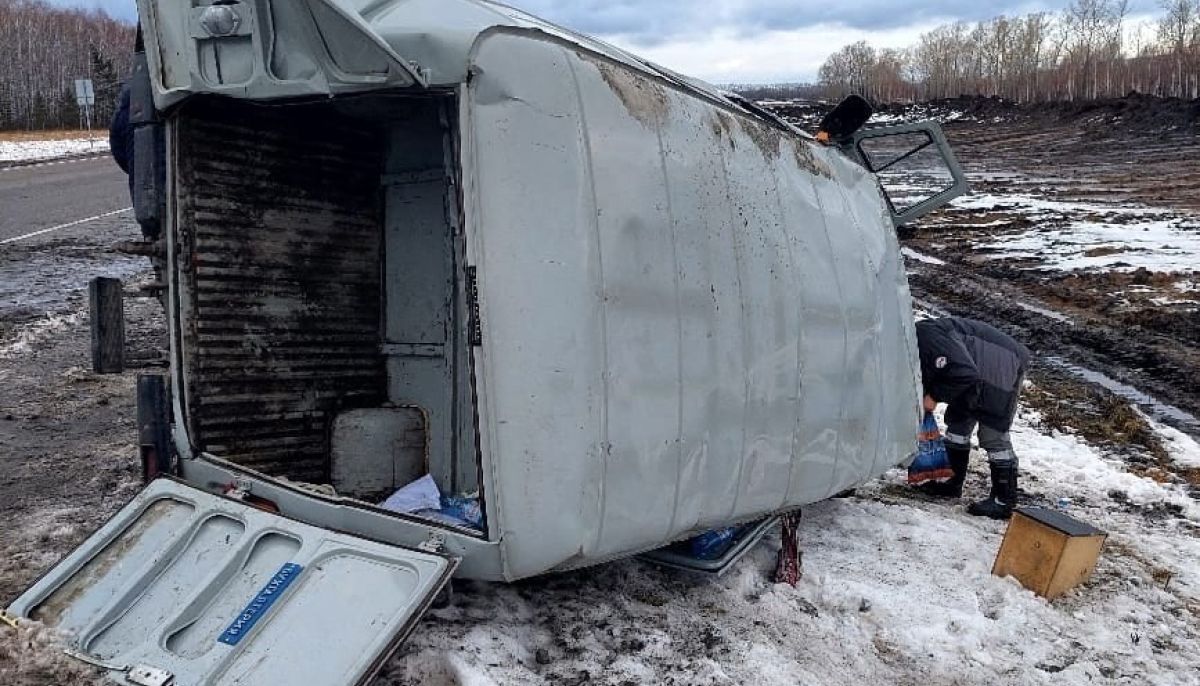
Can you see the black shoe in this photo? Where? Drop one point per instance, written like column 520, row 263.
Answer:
column 999, row 505
column 960, row 458
column 941, row 489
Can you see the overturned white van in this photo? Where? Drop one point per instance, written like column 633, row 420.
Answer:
column 609, row 304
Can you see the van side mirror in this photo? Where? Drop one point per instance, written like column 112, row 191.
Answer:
column 915, row 167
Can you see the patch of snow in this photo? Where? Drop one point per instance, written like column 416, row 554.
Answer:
column 1188, row 286
column 895, row 590
column 916, row 113
column 30, row 151
column 881, row 119
column 31, row 336
column 921, row 257
column 1106, row 237
column 1079, row 471
column 1045, row 312
column 1183, row 449
column 1172, row 302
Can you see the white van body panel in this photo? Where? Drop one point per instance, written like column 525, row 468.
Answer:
column 691, row 319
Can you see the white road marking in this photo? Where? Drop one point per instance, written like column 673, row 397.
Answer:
column 86, row 157
column 63, row 226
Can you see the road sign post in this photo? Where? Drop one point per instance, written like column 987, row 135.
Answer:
column 85, row 98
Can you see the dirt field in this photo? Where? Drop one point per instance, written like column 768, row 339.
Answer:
column 1129, row 318
column 61, row 135
column 1080, row 237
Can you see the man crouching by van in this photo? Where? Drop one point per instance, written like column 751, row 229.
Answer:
column 977, row 371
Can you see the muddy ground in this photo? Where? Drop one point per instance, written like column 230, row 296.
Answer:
column 67, row 453
column 1133, row 325
column 1132, row 162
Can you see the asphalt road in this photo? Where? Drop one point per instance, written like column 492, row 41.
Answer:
column 45, row 196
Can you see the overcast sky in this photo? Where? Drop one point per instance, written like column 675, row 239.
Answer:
column 749, row 41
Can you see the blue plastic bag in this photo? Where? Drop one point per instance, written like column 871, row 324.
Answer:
column 712, row 544
column 932, row 463
column 465, row 509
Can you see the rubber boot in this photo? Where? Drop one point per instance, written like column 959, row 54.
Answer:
column 960, row 458
column 999, row 505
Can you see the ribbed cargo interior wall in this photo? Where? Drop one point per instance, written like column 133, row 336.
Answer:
column 278, row 217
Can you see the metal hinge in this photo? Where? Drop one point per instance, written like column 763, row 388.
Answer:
column 145, row 675
column 138, row 675
column 436, row 543
column 474, row 326
column 239, row 489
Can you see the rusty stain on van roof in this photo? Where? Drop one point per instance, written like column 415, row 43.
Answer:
column 646, row 100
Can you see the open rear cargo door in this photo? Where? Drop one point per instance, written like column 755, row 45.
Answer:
column 183, row 588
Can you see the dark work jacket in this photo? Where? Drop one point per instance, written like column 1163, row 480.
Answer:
column 120, row 136
column 973, row 367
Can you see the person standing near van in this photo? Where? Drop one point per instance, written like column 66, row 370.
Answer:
column 977, row 371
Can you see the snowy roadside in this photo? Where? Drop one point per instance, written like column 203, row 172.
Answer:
column 43, row 151
column 896, row 590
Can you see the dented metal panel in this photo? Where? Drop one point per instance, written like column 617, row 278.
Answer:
column 718, row 308
column 205, row 590
column 278, row 234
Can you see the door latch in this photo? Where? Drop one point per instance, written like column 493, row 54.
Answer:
column 138, row 675
column 145, row 675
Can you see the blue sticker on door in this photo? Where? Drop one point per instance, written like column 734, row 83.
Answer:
column 260, row 604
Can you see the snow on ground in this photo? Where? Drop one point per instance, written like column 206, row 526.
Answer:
column 1078, row 235
column 917, row 113
column 921, row 257
column 1184, row 449
column 31, row 337
column 896, row 590
column 30, row 151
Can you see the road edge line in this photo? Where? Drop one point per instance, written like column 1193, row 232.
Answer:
column 68, row 225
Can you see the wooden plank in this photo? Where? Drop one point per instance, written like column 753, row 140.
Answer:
column 107, row 302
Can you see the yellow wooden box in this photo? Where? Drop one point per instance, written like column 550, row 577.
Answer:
column 1048, row 552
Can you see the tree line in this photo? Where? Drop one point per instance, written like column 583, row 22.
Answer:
column 1085, row 52
column 44, row 49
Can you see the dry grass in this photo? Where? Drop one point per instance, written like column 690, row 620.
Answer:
column 1098, row 416
column 57, row 135
column 1102, row 418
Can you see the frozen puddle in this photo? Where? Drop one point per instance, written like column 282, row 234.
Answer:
column 1073, row 236
column 46, row 282
column 1156, row 408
